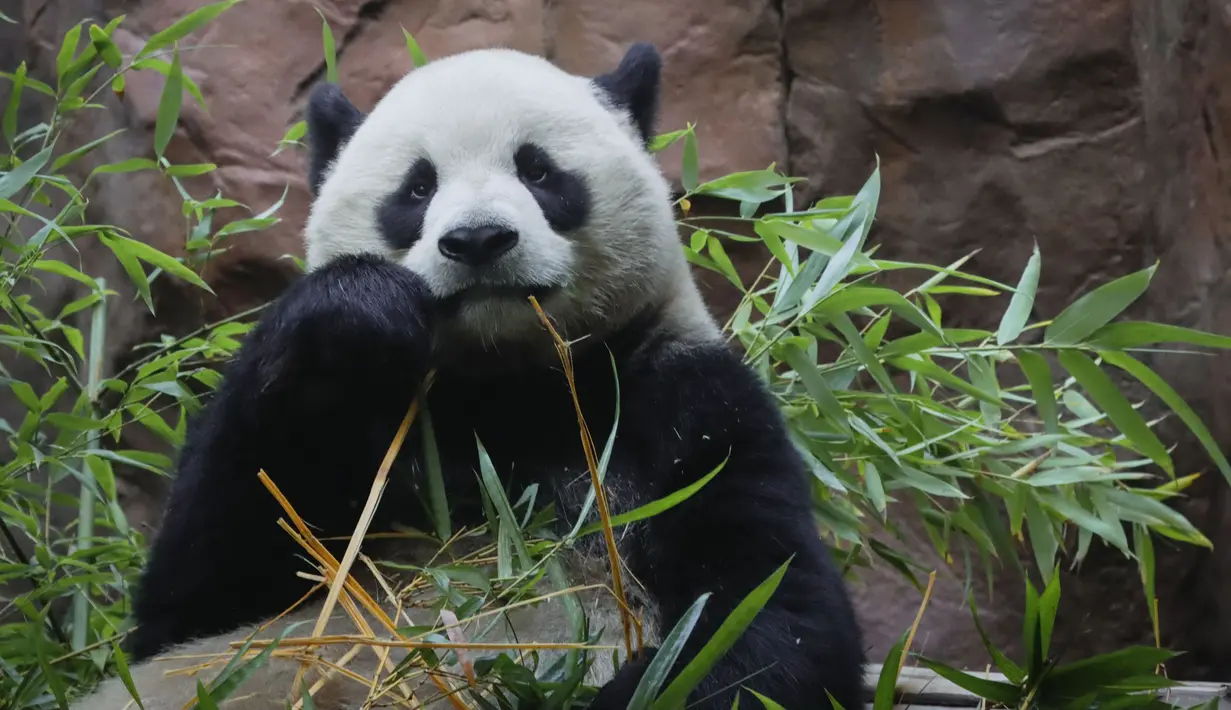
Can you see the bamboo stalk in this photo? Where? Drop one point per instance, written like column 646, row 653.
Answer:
column 85, row 501
column 587, row 444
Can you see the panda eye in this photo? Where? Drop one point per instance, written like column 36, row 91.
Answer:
column 534, row 166
column 420, row 191
column 535, row 174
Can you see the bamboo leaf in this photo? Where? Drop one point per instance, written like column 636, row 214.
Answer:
column 665, row 140
column 1132, row 334
column 994, row 690
column 655, row 507
column 983, row 376
column 169, row 105
column 1097, row 308
column 25, row 394
column 865, row 356
column 416, row 55
column 1011, row 670
column 235, row 672
column 131, row 266
column 505, row 515
column 941, row 376
column 840, row 265
column 1099, row 386
column 331, row 57
column 722, row 640
column 149, row 254
column 190, row 170
column 1043, row 539
column 436, row 493
column 121, row 665
column 10, row 111
column 124, row 166
column 688, row 171
column 1014, row 319
column 811, row 237
column 68, row 49
column 608, row 448
column 105, row 47
column 814, row 383
column 774, row 243
column 752, row 187
column 205, row 700
column 184, row 26
column 918, row 342
column 771, row 705
column 164, row 68
column 719, row 255
column 1083, row 518
column 1158, row 515
column 292, row 135
column 858, row 297
column 887, row 682
column 1038, row 374
column 17, row 178
column 75, row 155
column 1086, row 675
column 32, row 83
column 72, row 95
column 74, row 423
column 875, row 486
column 1165, row 392
column 1144, row 547
column 1049, row 604
column 656, row 673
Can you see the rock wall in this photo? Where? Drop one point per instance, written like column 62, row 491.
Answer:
column 1100, row 129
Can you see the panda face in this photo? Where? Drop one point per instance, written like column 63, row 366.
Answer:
column 496, row 176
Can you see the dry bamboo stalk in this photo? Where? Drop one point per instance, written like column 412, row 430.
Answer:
column 338, row 639
column 927, row 596
column 344, row 579
column 328, row 564
column 489, row 612
column 398, row 611
column 587, row 444
column 365, row 518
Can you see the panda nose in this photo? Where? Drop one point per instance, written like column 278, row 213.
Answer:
column 476, row 246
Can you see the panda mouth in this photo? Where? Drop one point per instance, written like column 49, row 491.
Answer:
column 481, row 293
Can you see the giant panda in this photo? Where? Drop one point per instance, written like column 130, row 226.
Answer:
column 477, row 181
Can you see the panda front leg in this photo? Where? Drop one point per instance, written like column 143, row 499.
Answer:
column 685, row 414
column 313, row 398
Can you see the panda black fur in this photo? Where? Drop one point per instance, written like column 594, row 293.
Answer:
column 478, row 180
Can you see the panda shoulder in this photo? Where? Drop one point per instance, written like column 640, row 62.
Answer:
column 700, row 379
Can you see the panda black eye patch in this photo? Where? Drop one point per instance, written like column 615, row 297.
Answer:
column 563, row 196
column 400, row 215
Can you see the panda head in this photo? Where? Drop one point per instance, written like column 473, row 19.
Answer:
column 495, row 176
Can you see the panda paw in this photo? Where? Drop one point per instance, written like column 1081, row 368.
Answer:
column 356, row 316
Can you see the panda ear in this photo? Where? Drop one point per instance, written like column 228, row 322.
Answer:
column 633, row 86
column 332, row 120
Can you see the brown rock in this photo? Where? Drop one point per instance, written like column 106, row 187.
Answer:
column 721, row 71
column 996, row 123
column 1184, row 60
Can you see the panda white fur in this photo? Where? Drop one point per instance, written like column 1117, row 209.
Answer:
column 477, row 181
